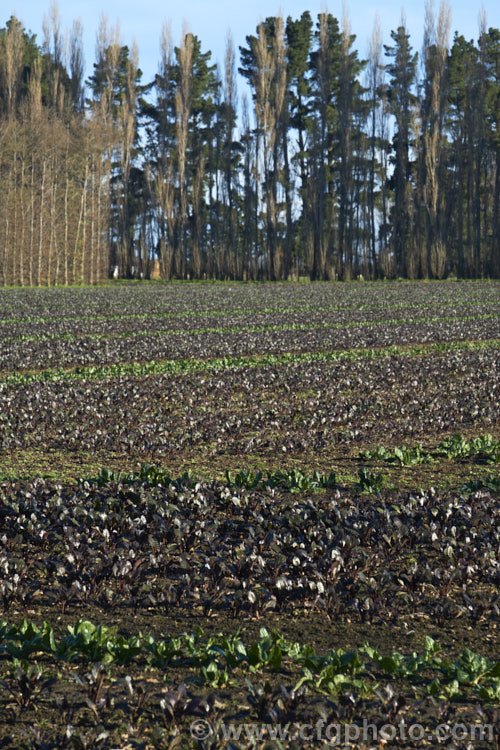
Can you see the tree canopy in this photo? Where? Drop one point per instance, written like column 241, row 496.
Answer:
column 336, row 167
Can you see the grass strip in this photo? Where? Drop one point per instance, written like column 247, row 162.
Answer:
column 180, row 366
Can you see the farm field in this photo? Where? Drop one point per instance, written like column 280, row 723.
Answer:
column 250, row 508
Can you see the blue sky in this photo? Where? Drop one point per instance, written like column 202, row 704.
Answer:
column 211, row 21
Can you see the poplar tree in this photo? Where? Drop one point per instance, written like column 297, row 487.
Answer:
column 351, row 118
column 264, row 66
column 299, row 41
column 116, row 92
column 161, row 157
column 322, row 200
column 433, row 147
column 492, row 43
column 460, row 125
column 376, row 98
column 308, row 180
column 231, row 152
column 402, row 99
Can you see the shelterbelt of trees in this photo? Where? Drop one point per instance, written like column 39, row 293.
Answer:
column 334, row 167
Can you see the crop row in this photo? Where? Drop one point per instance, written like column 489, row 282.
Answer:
column 295, row 480
column 184, row 344
column 248, row 327
column 54, row 703
column 10, row 344
column 218, row 656
column 281, row 405
column 130, row 299
column 177, row 366
column 483, row 448
column 350, row 312
column 210, row 548
column 332, row 316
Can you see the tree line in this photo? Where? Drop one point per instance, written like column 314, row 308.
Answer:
column 332, row 167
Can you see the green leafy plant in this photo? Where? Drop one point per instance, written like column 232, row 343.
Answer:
column 484, row 448
column 27, row 639
column 247, row 479
column 162, row 653
column 96, row 642
column 370, row 482
column 404, row 455
column 491, row 692
column 213, row 675
column 264, row 653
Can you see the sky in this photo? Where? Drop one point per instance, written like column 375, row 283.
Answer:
column 213, row 20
